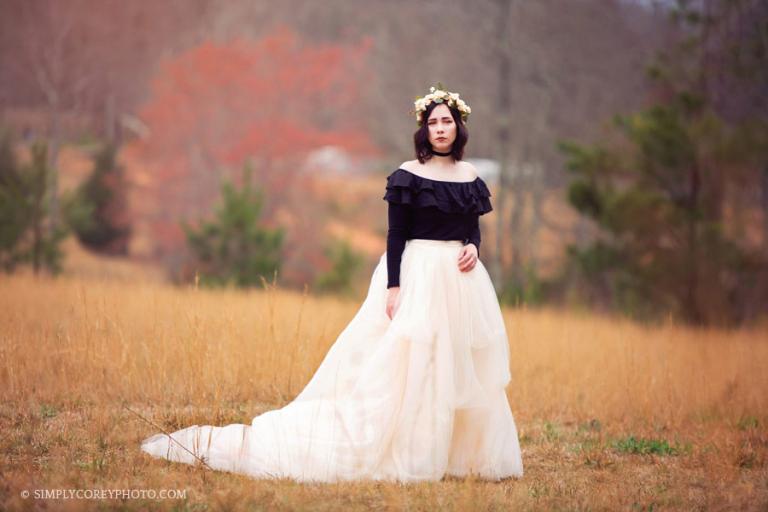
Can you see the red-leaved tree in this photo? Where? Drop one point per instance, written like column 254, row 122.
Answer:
column 219, row 104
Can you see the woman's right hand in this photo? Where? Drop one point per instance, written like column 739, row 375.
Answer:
column 392, row 295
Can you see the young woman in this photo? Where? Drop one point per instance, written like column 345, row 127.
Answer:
column 414, row 387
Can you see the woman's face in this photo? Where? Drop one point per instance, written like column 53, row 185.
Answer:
column 442, row 128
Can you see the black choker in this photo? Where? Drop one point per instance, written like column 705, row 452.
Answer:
column 441, row 154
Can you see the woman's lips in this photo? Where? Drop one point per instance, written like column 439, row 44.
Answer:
column 441, row 138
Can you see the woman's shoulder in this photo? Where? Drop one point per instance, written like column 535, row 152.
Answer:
column 467, row 169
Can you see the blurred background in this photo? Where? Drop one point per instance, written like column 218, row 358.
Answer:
column 238, row 142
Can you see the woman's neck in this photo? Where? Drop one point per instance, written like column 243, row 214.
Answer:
column 441, row 162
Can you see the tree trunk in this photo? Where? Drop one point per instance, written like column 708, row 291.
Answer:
column 54, row 137
column 691, row 304
column 109, row 120
column 537, row 201
column 503, row 134
column 764, row 204
column 516, row 223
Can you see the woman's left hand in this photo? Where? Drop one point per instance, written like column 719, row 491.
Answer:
column 467, row 257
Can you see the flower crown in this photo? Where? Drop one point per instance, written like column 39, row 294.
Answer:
column 440, row 95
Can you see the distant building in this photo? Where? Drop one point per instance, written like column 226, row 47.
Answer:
column 330, row 160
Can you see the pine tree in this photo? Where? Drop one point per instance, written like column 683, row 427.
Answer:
column 344, row 263
column 659, row 205
column 98, row 209
column 14, row 220
column 24, row 215
column 232, row 248
column 658, row 197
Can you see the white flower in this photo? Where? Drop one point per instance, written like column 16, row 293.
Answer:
column 452, row 99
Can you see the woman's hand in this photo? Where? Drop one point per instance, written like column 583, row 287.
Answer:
column 467, row 257
column 392, row 302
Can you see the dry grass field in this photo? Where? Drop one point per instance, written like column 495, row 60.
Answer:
column 611, row 415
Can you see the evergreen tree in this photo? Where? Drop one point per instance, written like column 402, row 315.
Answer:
column 98, row 209
column 14, row 220
column 344, row 263
column 232, row 248
column 659, row 198
column 24, row 216
column 660, row 206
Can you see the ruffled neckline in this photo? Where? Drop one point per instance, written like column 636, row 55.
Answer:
column 405, row 187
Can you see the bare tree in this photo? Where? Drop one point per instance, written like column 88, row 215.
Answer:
column 55, row 55
column 86, row 58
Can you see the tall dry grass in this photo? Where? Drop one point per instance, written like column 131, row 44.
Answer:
column 103, row 341
column 180, row 356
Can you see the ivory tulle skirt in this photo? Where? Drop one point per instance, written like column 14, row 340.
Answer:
column 414, row 398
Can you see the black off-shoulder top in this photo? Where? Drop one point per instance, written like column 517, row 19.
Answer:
column 421, row 207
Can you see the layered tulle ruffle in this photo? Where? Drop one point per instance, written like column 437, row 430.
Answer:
column 413, row 398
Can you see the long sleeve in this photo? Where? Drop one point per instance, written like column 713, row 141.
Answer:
column 474, row 235
column 397, row 233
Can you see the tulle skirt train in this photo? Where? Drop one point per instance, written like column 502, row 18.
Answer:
column 413, row 398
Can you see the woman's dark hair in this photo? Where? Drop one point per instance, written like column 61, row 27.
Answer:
column 421, row 137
